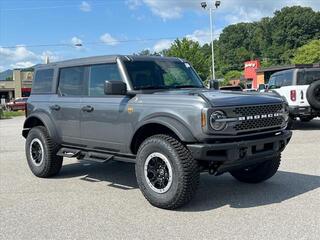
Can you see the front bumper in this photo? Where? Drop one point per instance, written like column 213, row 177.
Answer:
column 241, row 150
column 297, row 111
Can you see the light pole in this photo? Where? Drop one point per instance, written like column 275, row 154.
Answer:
column 211, row 8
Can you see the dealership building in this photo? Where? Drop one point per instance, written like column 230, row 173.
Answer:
column 254, row 75
column 17, row 85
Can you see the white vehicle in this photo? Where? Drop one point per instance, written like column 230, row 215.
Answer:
column 301, row 88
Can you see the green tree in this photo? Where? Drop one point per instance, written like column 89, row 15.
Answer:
column 292, row 27
column 191, row 51
column 308, row 53
column 146, row 52
column 233, row 74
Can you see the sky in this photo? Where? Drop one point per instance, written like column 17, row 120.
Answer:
column 31, row 30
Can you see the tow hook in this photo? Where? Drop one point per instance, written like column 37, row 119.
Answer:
column 242, row 152
column 213, row 167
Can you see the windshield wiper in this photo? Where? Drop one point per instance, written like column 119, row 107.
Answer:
column 151, row 87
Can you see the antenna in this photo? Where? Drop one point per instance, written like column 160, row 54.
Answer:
column 47, row 60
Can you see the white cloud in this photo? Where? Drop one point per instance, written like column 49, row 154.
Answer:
column 201, row 36
column 85, row 6
column 16, row 54
column 21, row 57
column 232, row 11
column 22, row 64
column 133, row 4
column 53, row 57
column 108, row 39
column 162, row 44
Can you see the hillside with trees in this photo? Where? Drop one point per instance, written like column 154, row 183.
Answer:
column 277, row 40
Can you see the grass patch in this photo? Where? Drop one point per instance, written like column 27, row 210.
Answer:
column 11, row 114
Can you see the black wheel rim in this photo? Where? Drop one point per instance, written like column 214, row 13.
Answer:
column 36, row 151
column 158, row 172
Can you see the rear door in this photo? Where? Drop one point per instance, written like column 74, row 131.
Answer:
column 65, row 106
column 104, row 118
column 304, row 79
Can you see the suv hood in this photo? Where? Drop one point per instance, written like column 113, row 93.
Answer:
column 229, row 98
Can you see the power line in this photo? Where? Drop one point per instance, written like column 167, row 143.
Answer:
column 103, row 43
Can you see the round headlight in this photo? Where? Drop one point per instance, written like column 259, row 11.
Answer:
column 217, row 120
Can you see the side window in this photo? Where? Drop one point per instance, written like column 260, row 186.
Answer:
column 42, row 82
column 72, row 81
column 308, row 77
column 99, row 74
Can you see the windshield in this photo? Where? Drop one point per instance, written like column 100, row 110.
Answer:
column 162, row 75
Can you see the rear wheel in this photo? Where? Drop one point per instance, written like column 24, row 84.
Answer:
column 41, row 153
column 259, row 172
column 166, row 173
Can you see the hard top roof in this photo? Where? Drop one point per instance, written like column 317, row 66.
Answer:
column 106, row 59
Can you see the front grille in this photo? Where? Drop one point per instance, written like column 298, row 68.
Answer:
column 257, row 110
column 259, row 117
column 259, row 123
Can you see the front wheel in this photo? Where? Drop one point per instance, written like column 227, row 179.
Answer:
column 259, row 172
column 166, row 172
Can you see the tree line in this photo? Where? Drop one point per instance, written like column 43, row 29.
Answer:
column 292, row 35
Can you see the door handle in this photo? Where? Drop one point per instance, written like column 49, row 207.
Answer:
column 55, row 107
column 87, row 108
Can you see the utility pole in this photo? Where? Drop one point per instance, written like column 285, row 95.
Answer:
column 211, row 8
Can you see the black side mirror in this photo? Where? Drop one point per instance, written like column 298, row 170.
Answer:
column 214, row 84
column 115, row 88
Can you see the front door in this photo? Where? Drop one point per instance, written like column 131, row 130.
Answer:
column 104, row 121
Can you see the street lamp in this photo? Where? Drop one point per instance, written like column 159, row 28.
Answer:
column 211, row 8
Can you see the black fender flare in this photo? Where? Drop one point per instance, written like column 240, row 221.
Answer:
column 47, row 122
column 174, row 124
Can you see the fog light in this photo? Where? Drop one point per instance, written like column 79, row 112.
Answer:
column 217, row 120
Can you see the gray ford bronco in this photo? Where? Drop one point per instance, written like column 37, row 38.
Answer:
column 156, row 113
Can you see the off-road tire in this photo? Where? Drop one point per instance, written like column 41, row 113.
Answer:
column 313, row 95
column 51, row 163
column 259, row 172
column 185, row 172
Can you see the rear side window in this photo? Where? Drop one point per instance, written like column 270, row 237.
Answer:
column 99, row 74
column 43, row 81
column 307, row 77
column 73, row 82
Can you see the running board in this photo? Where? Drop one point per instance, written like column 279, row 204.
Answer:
column 97, row 157
column 68, row 152
column 89, row 155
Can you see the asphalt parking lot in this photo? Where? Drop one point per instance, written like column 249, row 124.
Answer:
column 102, row 201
